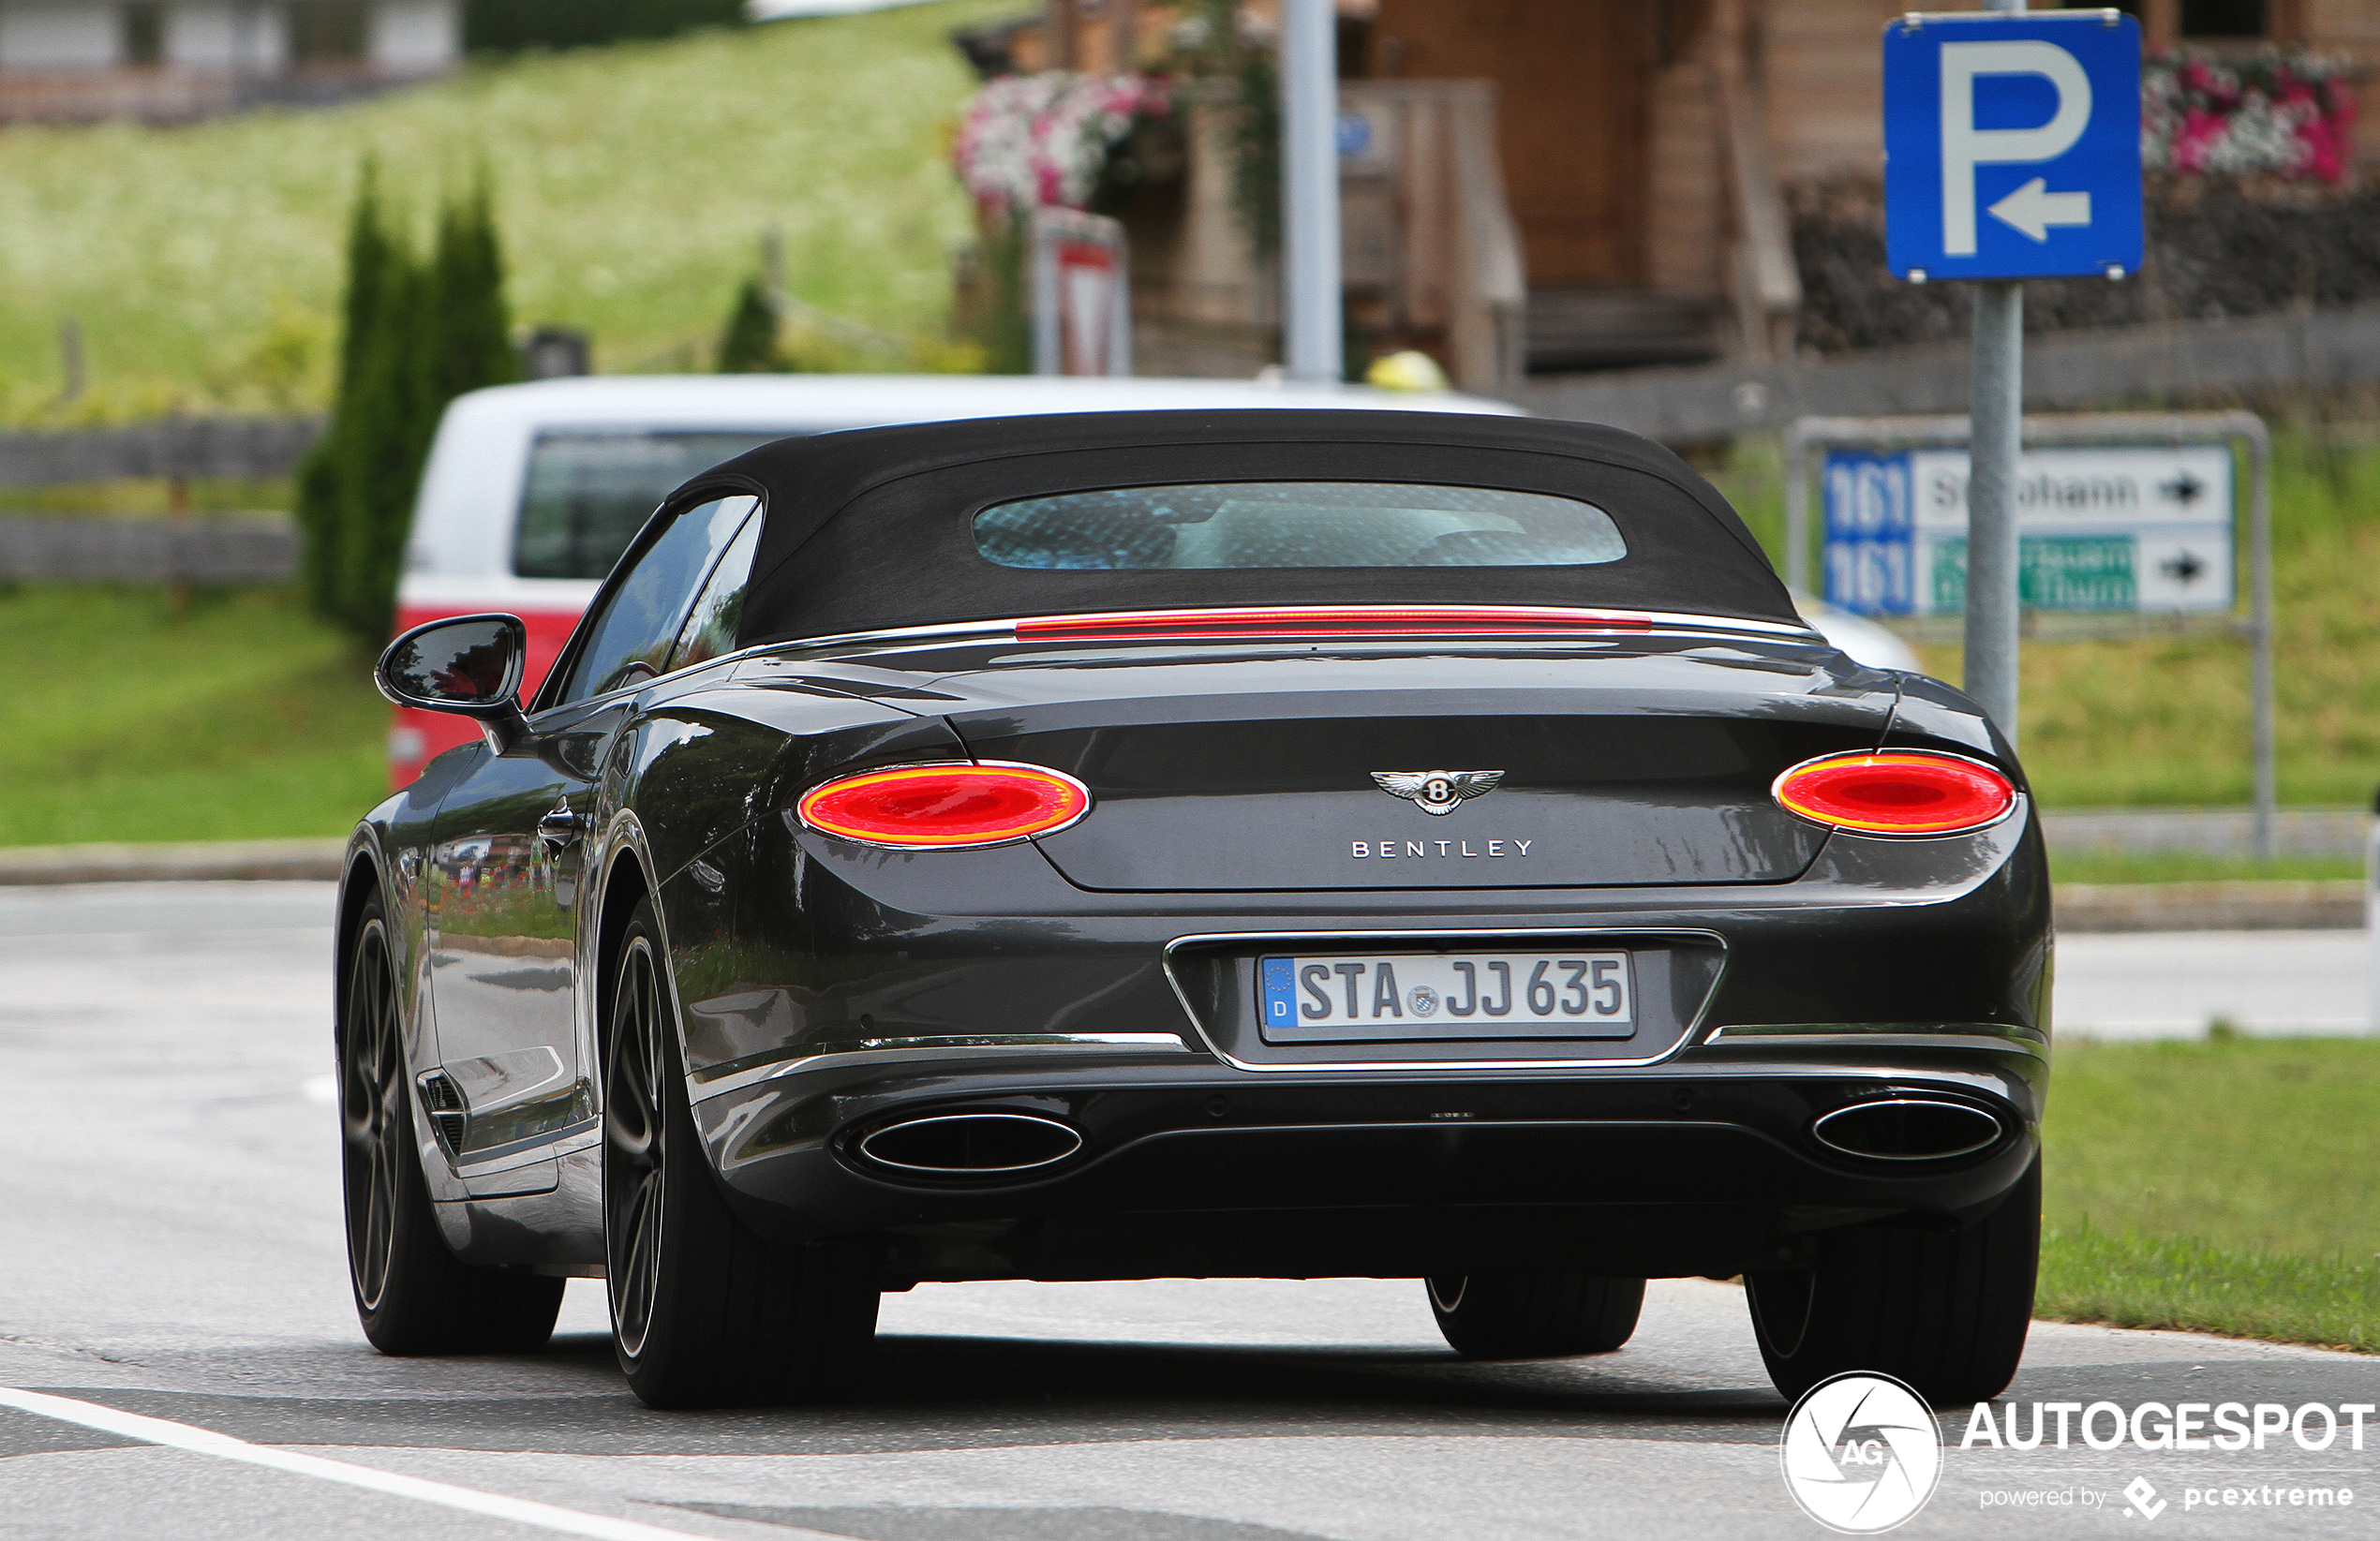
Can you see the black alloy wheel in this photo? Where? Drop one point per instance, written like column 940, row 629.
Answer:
column 1535, row 1315
column 706, row 1312
column 412, row 1295
column 1945, row 1311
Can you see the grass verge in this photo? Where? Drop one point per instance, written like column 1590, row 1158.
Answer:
column 240, row 718
column 2222, row 1186
column 2186, row 867
column 2175, row 1282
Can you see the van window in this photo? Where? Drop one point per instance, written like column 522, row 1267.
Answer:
column 587, row 494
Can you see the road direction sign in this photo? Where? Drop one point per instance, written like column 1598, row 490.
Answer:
column 2012, row 145
column 2098, row 530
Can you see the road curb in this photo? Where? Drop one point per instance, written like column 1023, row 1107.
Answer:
column 313, row 860
column 2240, row 906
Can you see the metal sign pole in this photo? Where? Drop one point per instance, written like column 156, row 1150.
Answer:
column 2260, row 601
column 1313, row 342
column 1997, row 410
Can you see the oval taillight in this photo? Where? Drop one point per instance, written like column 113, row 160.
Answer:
column 922, row 808
column 1896, row 791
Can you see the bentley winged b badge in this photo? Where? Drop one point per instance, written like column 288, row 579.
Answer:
column 1437, row 790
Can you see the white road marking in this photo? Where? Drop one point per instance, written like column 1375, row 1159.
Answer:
column 206, row 1442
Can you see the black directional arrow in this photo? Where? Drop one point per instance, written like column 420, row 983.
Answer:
column 2184, row 489
column 2185, row 569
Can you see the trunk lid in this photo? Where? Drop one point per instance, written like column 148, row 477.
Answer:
column 1264, row 772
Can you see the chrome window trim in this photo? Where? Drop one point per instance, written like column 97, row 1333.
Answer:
column 1658, row 623
column 1441, row 936
column 895, row 1051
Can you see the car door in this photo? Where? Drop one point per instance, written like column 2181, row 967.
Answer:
column 513, row 1083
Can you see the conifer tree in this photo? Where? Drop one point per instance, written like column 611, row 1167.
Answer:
column 475, row 332
column 368, row 254
column 419, row 334
column 748, row 344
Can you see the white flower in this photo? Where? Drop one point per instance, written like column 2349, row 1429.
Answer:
column 1028, row 141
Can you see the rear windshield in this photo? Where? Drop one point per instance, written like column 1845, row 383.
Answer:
column 1297, row 524
column 588, row 493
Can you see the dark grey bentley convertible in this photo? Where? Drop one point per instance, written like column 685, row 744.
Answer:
column 1150, row 844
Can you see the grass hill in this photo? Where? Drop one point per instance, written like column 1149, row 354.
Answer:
column 634, row 183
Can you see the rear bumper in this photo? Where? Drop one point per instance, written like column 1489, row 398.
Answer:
column 1892, row 968
column 1706, row 1167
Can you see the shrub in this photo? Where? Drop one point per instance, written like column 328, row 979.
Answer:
column 419, row 334
column 510, row 25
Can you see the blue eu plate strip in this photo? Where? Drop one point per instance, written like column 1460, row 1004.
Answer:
column 1276, row 991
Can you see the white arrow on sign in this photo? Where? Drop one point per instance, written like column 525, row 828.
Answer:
column 2031, row 210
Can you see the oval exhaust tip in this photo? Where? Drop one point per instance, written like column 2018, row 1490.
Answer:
column 1906, row 1129
column 971, row 1144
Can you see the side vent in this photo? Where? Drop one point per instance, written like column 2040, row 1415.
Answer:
column 442, row 1100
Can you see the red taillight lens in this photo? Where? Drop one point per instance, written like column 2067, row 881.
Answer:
column 1897, row 792
column 935, row 807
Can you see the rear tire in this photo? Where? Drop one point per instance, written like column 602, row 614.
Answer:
column 1944, row 1310
column 1535, row 1315
column 412, row 1294
column 704, row 1312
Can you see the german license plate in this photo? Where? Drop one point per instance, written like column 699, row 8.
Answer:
column 1353, row 997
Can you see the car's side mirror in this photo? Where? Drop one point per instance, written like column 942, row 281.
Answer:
column 469, row 665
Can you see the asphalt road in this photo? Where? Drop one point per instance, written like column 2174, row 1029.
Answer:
column 170, row 1249
column 2170, row 985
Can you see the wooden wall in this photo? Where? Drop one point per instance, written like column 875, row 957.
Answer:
column 1571, row 117
column 2350, row 27
column 1685, row 236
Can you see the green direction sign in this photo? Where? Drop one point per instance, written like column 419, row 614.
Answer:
column 2053, row 573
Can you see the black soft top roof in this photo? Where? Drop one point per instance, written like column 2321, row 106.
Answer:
column 871, row 529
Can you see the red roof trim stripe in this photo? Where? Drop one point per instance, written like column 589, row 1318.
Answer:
column 1336, row 621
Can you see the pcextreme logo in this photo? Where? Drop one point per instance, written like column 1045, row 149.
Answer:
column 1861, row 1453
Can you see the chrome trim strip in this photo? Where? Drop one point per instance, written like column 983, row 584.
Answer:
column 1818, row 1128
column 1068, row 1130
column 1444, row 936
column 1798, row 1034
column 1658, row 623
column 583, row 1135
column 894, row 1051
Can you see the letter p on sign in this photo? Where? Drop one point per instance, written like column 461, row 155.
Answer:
column 2012, row 145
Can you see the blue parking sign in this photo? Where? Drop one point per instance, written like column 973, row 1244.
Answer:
column 2012, row 145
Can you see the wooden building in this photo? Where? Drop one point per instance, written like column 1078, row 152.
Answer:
column 170, row 61
column 1636, row 154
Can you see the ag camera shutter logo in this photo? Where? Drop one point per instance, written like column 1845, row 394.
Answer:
column 1861, row 1453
